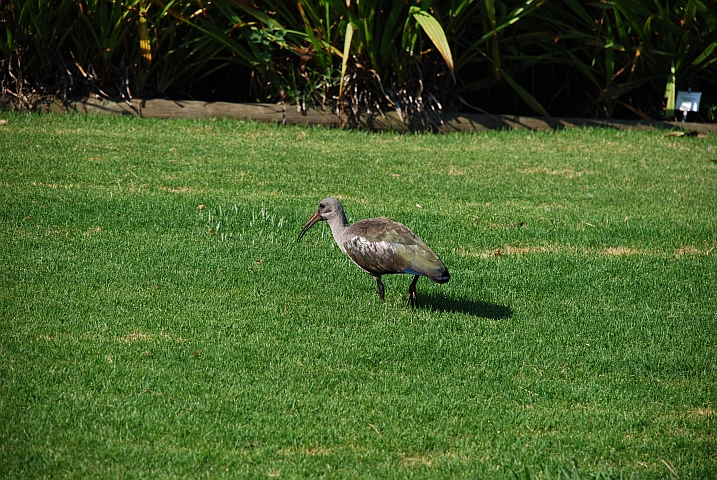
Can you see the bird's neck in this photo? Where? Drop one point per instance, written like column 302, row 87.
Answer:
column 338, row 224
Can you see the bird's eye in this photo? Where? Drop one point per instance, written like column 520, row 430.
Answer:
column 321, row 205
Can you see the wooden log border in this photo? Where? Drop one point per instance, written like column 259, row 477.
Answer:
column 289, row 114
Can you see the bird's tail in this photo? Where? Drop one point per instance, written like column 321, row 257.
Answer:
column 442, row 276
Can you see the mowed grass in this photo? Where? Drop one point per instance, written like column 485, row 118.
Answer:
column 158, row 319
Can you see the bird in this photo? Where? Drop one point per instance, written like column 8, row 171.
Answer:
column 380, row 246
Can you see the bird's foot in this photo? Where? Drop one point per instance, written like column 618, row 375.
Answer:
column 412, row 292
column 411, row 299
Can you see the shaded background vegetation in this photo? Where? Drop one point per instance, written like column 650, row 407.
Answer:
column 608, row 59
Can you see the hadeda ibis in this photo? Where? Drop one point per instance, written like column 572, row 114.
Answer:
column 380, row 246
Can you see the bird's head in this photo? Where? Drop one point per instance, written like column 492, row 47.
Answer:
column 328, row 209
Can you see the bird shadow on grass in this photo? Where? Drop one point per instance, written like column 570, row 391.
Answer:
column 443, row 303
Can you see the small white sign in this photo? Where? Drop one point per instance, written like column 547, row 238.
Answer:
column 688, row 101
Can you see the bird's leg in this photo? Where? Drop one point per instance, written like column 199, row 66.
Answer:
column 412, row 292
column 379, row 284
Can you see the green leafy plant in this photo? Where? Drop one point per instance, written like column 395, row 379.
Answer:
column 35, row 34
column 485, row 25
column 621, row 47
column 537, row 56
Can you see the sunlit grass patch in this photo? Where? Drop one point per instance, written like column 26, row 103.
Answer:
column 158, row 318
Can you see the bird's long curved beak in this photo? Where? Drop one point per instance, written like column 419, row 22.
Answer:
column 314, row 218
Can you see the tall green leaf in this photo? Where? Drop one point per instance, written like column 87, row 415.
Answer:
column 434, row 31
column 670, row 93
column 345, row 58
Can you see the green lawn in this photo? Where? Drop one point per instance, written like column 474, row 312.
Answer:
column 158, row 319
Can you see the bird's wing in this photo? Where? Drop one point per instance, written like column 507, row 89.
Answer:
column 383, row 245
